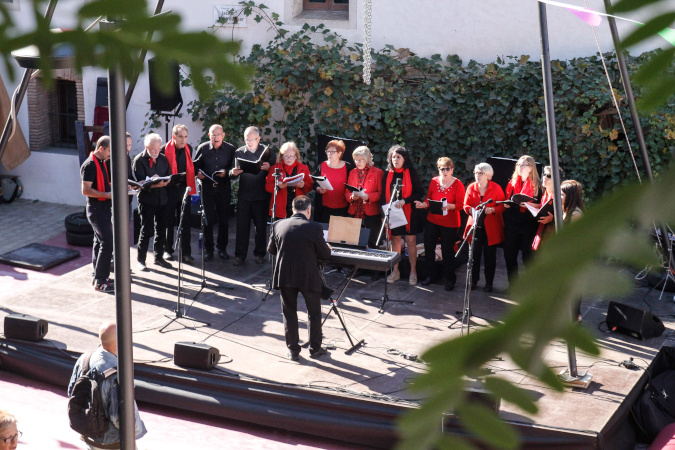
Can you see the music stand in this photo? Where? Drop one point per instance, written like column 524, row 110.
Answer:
column 202, row 212
column 178, row 313
column 385, row 224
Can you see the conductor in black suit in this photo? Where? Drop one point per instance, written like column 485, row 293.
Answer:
column 298, row 245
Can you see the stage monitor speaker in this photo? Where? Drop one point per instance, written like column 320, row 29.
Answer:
column 26, row 328
column 167, row 99
column 633, row 321
column 195, row 356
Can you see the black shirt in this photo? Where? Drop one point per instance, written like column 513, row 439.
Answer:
column 211, row 160
column 252, row 187
column 181, row 167
column 142, row 170
column 88, row 173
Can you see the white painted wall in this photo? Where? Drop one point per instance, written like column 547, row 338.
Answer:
column 479, row 29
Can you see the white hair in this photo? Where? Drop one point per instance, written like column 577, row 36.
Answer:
column 152, row 137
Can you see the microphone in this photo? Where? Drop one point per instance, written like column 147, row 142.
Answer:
column 276, row 172
column 187, row 194
column 486, row 202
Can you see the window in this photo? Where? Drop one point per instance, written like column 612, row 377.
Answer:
column 326, row 5
column 65, row 114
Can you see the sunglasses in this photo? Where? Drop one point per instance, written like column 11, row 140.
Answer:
column 548, row 175
column 445, row 169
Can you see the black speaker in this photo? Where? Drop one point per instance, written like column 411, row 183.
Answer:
column 168, row 98
column 26, row 328
column 195, row 356
column 633, row 322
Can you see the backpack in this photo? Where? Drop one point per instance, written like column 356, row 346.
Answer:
column 656, row 406
column 86, row 413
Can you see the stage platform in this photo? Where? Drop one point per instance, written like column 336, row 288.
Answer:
column 353, row 398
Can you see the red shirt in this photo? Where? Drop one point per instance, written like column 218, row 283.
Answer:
column 494, row 224
column 282, row 194
column 453, row 194
column 337, row 177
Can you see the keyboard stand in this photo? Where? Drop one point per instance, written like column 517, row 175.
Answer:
column 385, row 297
column 334, row 308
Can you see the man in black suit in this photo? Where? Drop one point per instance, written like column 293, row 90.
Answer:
column 298, row 245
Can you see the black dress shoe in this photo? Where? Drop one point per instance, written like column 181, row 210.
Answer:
column 259, row 259
column 292, row 356
column 488, row 288
column 208, row 256
column 223, row 254
column 450, row 285
column 318, row 354
column 162, row 263
column 238, row 262
column 426, row 281
column 188, row 259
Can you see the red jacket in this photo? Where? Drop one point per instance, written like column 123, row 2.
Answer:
column 282, row 193
column 494, row 224
column 371, row 186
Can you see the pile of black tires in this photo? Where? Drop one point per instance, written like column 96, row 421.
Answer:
column 78, row 230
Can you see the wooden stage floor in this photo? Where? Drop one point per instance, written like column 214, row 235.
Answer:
column 248, row 332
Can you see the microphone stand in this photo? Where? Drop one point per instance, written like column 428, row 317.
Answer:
column 385, row 224
column 178, row 313
column 202, row 212
column 269, row 283
column 466, row 312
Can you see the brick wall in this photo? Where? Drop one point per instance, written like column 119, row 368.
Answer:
column 43, row 104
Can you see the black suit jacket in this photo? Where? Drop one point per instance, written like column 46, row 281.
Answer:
column 298, row 245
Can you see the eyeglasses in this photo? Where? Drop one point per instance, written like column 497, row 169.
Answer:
column 445, row 169
column 252, row 140
column 523, row 165
column 479, row 173
column 217, row 135
column 9, row 440
column 289, row 156
column 330, row 152
column 548, row 175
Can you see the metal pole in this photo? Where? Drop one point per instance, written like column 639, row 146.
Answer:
column 553, row 148
column 125, row 363
column 629, row 90
column 23, row 87
column 134, row 79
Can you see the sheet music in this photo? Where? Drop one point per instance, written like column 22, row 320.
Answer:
column 396, row 216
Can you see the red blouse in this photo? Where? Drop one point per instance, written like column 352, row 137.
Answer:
column 453, row 194
column 494, row 224
column 337, row 177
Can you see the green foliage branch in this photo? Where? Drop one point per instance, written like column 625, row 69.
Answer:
column 310, row 83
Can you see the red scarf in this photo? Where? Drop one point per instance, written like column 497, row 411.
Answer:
column 100, row 181
column 406, row 191
column 289, row 169
column 170, row 153
column 537, row 239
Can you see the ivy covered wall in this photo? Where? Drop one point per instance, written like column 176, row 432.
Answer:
column 310, row 83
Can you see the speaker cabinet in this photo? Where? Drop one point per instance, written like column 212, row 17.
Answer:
column 26, row 328
column 633, row 322
column 169, row 98
column 195, row 356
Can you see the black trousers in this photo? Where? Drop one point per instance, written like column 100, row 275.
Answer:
column 217, row 207
column 248, row 211
column 99, row 215
column 326, row 212
column 373, row 223
column 448, row 236
column 172, row 220
column 480, row 249
column 516, row 241
column 152, row 222
column 289, row 308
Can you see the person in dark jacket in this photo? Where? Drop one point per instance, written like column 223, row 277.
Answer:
column 152, row 200
column 298, row 245
column 252, row 198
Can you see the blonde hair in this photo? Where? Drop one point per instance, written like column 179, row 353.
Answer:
column 534, row 175
column 364, row 152
column 7, row 419
column 288, row 146
column 485, row 168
